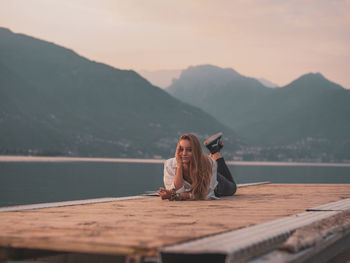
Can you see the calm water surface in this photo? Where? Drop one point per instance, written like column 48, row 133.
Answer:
column 27, row 182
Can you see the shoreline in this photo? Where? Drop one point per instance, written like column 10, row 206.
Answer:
column 18, row 158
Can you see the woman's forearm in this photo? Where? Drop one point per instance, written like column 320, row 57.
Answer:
column 179, row 180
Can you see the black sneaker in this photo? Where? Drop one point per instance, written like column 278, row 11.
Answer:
column 213, row 143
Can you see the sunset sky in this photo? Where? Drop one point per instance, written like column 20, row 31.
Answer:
column 276, row 40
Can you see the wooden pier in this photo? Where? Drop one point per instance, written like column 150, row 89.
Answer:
column 149, row 229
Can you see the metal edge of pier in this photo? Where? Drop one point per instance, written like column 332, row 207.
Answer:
column 260, row 243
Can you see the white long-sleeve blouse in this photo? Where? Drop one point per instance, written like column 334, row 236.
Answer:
column 169, row 178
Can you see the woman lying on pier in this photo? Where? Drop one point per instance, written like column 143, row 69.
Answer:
column 193, row 175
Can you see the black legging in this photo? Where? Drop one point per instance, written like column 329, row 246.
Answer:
column 226, row 185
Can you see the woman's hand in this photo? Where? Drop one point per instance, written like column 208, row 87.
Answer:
column 177, row 156
column 164, row 194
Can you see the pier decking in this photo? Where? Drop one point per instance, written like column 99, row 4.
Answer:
column 140, row 228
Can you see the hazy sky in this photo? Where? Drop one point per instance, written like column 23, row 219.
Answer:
column 277, row 40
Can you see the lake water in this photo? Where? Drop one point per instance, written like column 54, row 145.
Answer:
column 52, row 180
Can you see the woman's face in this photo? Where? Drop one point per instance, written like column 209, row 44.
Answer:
column 185, row 151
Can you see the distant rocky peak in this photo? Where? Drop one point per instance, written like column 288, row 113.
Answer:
column 206, row 75
column 313, row 81
column 313, row 76
column 211, row 70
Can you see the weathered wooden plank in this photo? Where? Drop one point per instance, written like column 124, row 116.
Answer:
column 143, row 226
column 244, row 244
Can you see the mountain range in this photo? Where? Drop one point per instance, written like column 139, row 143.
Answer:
column 164, row 78
column 55, row 102
column 309, row 116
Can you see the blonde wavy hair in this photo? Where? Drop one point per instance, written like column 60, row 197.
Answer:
column 200, row 168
